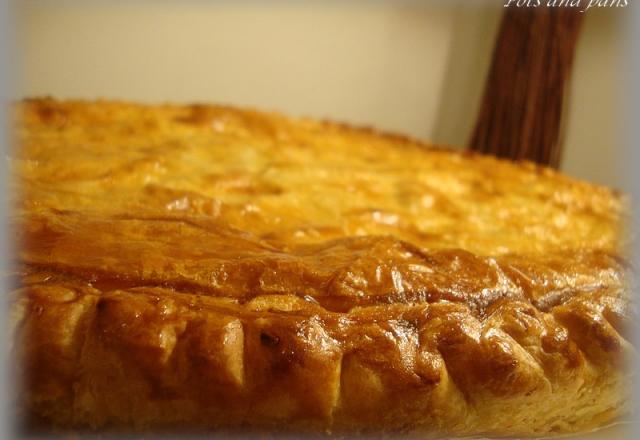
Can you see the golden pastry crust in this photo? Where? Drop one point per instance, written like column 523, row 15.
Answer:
column 202, row 266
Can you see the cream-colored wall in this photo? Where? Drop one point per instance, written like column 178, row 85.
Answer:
column 597, row 119
column 363, row 62
column 474, row 32
column 411, row 67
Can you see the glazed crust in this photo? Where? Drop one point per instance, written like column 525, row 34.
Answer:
column 192, row 267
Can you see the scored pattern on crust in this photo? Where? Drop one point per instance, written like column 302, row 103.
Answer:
column 173, row 276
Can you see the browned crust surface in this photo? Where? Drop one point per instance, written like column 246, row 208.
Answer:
column 203, row 266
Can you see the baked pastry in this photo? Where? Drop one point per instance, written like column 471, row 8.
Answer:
column 201, row 267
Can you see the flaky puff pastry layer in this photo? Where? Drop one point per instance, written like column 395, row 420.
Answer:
column 199, row 267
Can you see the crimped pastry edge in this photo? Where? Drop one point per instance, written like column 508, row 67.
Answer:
column 285, row 349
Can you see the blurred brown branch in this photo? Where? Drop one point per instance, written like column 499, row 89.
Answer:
column 521, row 110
